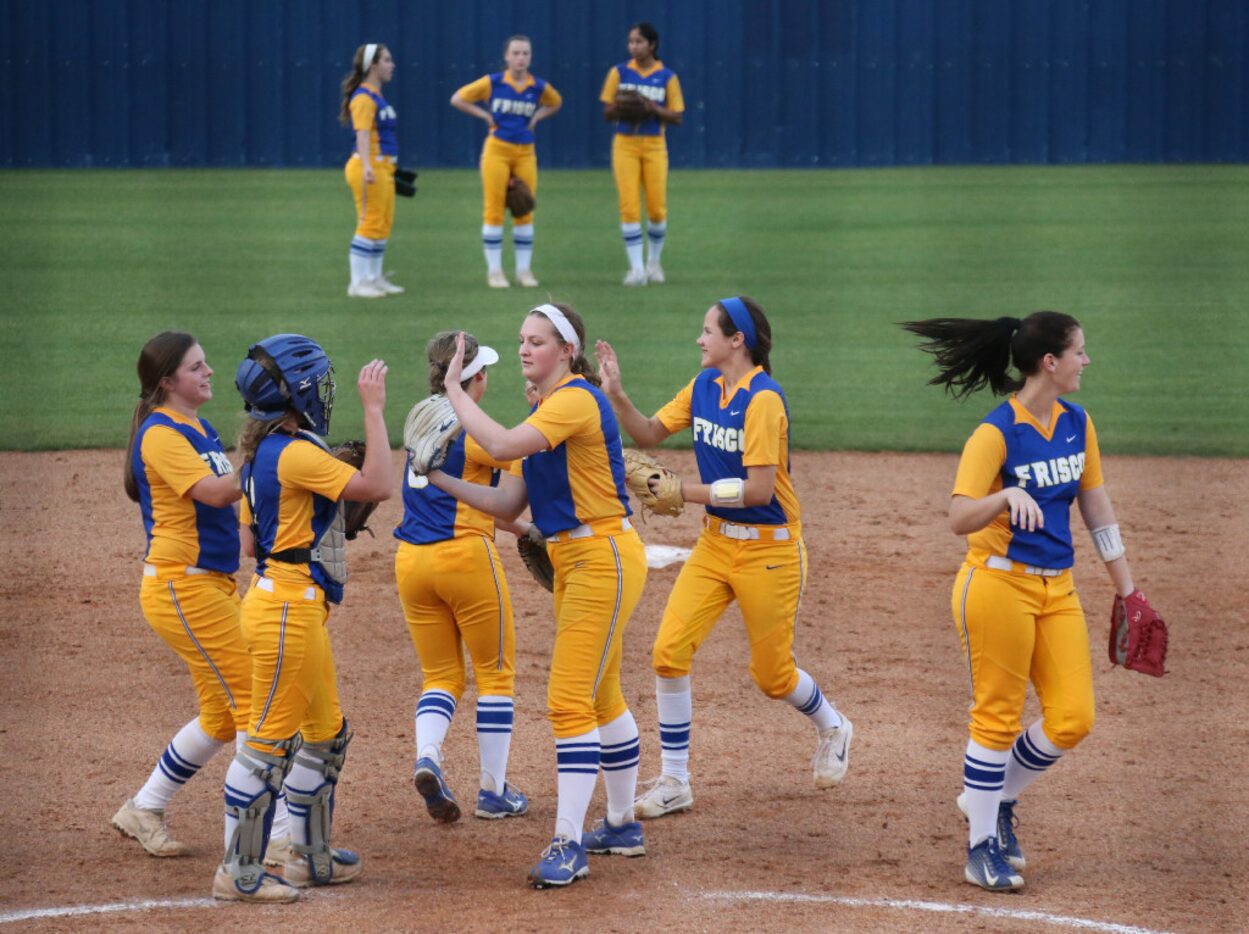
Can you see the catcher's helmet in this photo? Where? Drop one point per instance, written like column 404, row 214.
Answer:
column 287, row 372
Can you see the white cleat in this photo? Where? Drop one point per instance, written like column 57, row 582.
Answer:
column 364, row 289
column 663, row 795
column 832, row 756
column 497, row 280
column 148, row 827
column 525, row 277
column 635, row 277
column 385, row 285
column 655, row 274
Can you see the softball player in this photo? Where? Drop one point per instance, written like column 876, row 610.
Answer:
column 639, row 152
column 511, row 103
column 1014, row 601
column 370, row 171
column 185, row 486
column 454, row 594
column 751, row 547
column 573, row 470
column 297, row 736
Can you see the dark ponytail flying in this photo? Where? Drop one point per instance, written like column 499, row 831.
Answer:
column 161, row 356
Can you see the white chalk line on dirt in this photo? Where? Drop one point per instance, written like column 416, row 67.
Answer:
column 33, row 913
column 906, row 904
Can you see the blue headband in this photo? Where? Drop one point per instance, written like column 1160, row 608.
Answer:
column 741, row 319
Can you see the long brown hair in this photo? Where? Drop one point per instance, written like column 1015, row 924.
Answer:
column 580, row 364
column 160, row 358
column 761, row 352
column 254, row 431
column 353, row 79
column 440, row 350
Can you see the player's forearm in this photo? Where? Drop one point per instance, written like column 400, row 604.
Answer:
column 969, row 515
column 363, row 148
column 376, row 471
column 542, row 113
column 503, row 502
column 645, row 432
column 217, row 491
column 473, row 110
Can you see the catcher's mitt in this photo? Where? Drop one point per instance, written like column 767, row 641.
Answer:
column 1138, row 635
column 520, row 199
column 640, row 470
column 355, row 515
column 428, row 432
column 631, row 107
column 532, row 549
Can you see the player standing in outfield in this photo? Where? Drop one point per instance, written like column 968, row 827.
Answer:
column 185, row 486
column 454, row 594
column 297, row 736
column 751, row 548
column 639, row 152
column 1015, row 604
column 512, row 103
column 370, row 171
column 573, row 469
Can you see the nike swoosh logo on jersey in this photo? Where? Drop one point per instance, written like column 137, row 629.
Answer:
column 773, row 567
column 1072, row 438
column 738, row 412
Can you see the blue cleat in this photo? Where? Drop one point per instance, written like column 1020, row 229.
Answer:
column 512, row 803
column 1006, row 839
column 562, row 863
column 987, row 868
column 433, row 788
column 625, row 840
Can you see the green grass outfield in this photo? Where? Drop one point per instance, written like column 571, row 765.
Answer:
column 1154, row 261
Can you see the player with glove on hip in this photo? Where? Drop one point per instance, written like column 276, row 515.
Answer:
column 751, row 548
column 455, row 595
column 1015, row 604
column 574, row 484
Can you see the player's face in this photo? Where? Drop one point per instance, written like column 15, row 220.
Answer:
column 640, row 48
column 543, row 354
column 717, row 349
column 518, row 56
column 1069, row 367
column 385, row 66
column 191, row 384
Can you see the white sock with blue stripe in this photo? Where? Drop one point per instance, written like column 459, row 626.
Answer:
column 522, row 239
column 655, row 233
column 183, row 757
column 492, row 246
column 495, row 714
column 281, row 816
column 632, row 234
column 1031, row 755
column 621, row 752
column 578, row 759
column 674, row 702
column 984, row 771
column 379, row 255
column 241, row 786
column 433, row 718
column 361, row 259
column 807, row 699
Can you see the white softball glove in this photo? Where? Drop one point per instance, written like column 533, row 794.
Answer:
column 429, row 431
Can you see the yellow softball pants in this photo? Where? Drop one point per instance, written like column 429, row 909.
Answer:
column 294, row 685
column 1014, row 627
column 766, row 578
column 598, row 583
column 454, row 594
column 375, row 203
column 641, row 162
column 198, row 617
column 499, row 162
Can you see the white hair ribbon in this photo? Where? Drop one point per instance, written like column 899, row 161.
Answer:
column 370, row 52
column 562, row 324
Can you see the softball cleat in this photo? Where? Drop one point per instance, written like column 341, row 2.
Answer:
column 663, row 795
column 655, row 274
column 497, row 280
column 148, row 827
column 346, row 867
column 385, row 285
column 987, row 868
column 364, row 290
column 270, row 889
column 526, row 278
column 1007, row 842
column 512, row 803
column 439, row 800
column 635, row 277
column 562, row 863
column 625, row 840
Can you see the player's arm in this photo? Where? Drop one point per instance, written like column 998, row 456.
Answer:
column 374, row 482
column 505, row 501
column 505, row 444
column 611, row 84
column 247, row 541
column 466, row 100
column 217, row 491
column 972, row 505
column 645, row 432
column 180, row 466
column 1099, row 516
column 675, row 108
column 363, row 113
column 757, row 490
column 548, row 106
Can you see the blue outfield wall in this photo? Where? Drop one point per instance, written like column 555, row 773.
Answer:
column 114, row 83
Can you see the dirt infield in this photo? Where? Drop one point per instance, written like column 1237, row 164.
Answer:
column 1143, row 826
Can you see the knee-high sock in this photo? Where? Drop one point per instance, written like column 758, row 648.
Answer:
column 674, row 702
column 304, row 780
column 433, row 718
column 522, row 239
column 281, row 817
column 492, row 246
column 655, row 233
column 375, row 261
column 495, row 714
column 807, row 699
column 1031, row 755
column 983, row 772
column 632, row 234
column 620, row 756
column 361, row 259
column 241, row 784
column 578, row 759
column 186, row 753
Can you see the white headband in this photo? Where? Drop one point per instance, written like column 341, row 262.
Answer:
column 562, row 324
column 485, row 357
column 370, row 51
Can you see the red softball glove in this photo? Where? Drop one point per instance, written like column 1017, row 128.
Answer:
column 1138, row 635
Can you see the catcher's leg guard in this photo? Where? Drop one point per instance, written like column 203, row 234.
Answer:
column 244, row 857
column 312, row 857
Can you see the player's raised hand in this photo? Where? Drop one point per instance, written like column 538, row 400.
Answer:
column 456, row 365
column 1024, row 511
column 372, row 385
column 608, row 368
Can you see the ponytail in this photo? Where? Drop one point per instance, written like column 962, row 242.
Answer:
column 972, row 353
column 160, row 358
column 352, row 81
column 141, row 411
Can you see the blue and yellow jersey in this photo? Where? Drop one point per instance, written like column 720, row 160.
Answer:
column 369, row 111
column 511, row 105
column 430, row 515
column 658, row 83
column 580, row 478
column 1010, row 448
column 746, row 426
column 171, row 454
column 291, row 490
